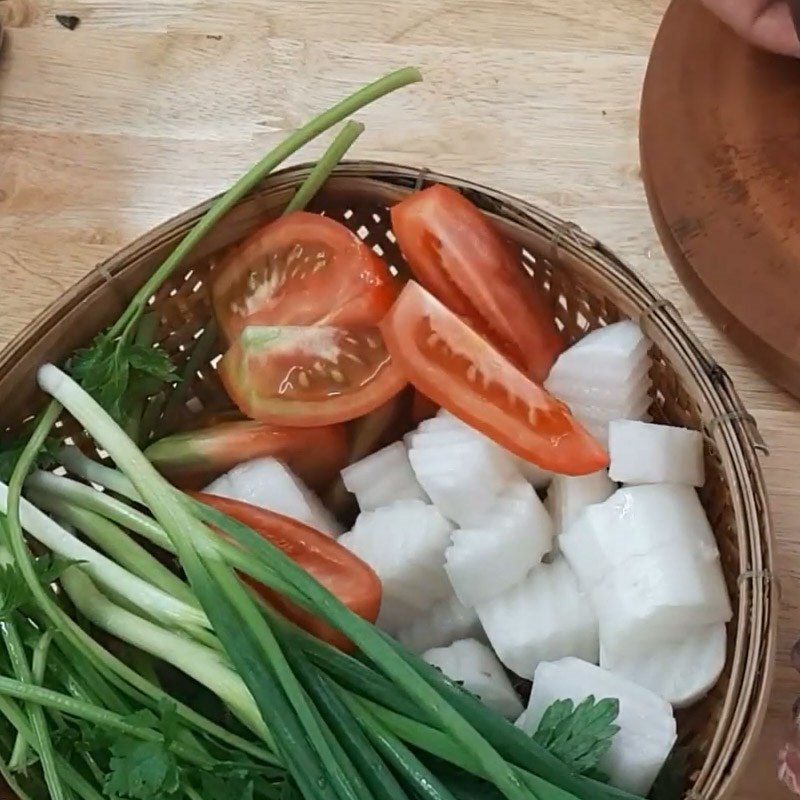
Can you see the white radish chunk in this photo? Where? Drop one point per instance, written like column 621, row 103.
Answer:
column 643, row 452
column 603, row 358
column 659, row 596
column 647, row 729
column 681, row 671
column 636, row 521
column 604, row 377
column 649, row 562
column 476, row 667
column 461, row 472
column 404, row 543
column 498, row 552
column 543, row 618
column 383, row 477
column 624, row 394
column 535, row 475
column 442, row 625
column 445, row 421
column 270, row 484
column 569, row 495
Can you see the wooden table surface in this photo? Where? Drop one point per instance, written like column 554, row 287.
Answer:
column 152, row 105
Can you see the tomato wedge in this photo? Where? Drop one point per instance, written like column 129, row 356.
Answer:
column 301, row 269
column 455, row 252
column 309, row 376
column 192, row 459
column 335, row 567
column 454, row 366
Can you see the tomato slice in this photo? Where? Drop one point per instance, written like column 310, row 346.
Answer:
column 455, row 252
column 309, row 376
column 335, row 567
column 192, row 459
column 301, row 269
column 454, row 366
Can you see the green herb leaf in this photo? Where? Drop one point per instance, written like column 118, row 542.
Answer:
column 142, row 770
column 11, row 450
column 117, row 373
column 50, row 567
column 579, row 736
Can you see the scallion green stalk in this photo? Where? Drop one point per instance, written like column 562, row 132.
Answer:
column 194, row 659
column 325, row 165
column 155, row 602
column 191, row 540
column 40, row 731
column 117, row 544
column 303, row 135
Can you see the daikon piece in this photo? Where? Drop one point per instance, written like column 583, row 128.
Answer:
column 659, row 596
column 442, row 625
column 647, row 728
column 543, row 618
column 535, row 475
column 462, row 473
column 476, row 667
column 603, row 358
column 383, row 477
column 568, row 496
column 643, row 452
column 681, row 671
column 649, row 562
column 404, row 543
column 445, row 421
column 634, row 521
column 269, row 483
column 637, row 409
column 624, row 393
column 498, row 552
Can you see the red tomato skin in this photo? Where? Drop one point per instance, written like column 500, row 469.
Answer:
column 355, row 286
column 345, row 575
column 240, row 372
column 536, row 426
column 191, row 459
column 456, row 253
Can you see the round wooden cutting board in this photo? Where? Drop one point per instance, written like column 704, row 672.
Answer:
column 720, row 152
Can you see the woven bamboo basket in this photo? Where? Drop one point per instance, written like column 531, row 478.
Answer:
column 587, row 285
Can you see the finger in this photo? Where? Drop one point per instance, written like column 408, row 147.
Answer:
column 767, row 23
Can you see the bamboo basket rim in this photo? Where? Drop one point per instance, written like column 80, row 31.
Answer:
column 730, row 426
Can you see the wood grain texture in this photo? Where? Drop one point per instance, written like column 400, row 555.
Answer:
column 150, row 106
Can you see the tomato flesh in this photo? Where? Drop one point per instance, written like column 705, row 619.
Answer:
column 458, row 369
column 301, row 269
column 456, row 253
column 192, row 459
column 335, row 567
column 309, row 376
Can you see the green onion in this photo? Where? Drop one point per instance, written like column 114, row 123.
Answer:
column 252, row 178
column 40, row 733
column 324, row 167
column 153, row 601
column 196, row 660
column 113, row 540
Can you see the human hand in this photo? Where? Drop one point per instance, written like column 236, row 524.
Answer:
column 771, row 24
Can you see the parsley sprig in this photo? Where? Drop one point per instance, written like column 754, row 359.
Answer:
column 579, row 735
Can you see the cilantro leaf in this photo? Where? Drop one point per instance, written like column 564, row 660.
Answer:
column 142, row 770
column 579, row 735
column 14, row 591
column 117, row 373
column 11, row 450
column 50, row 567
